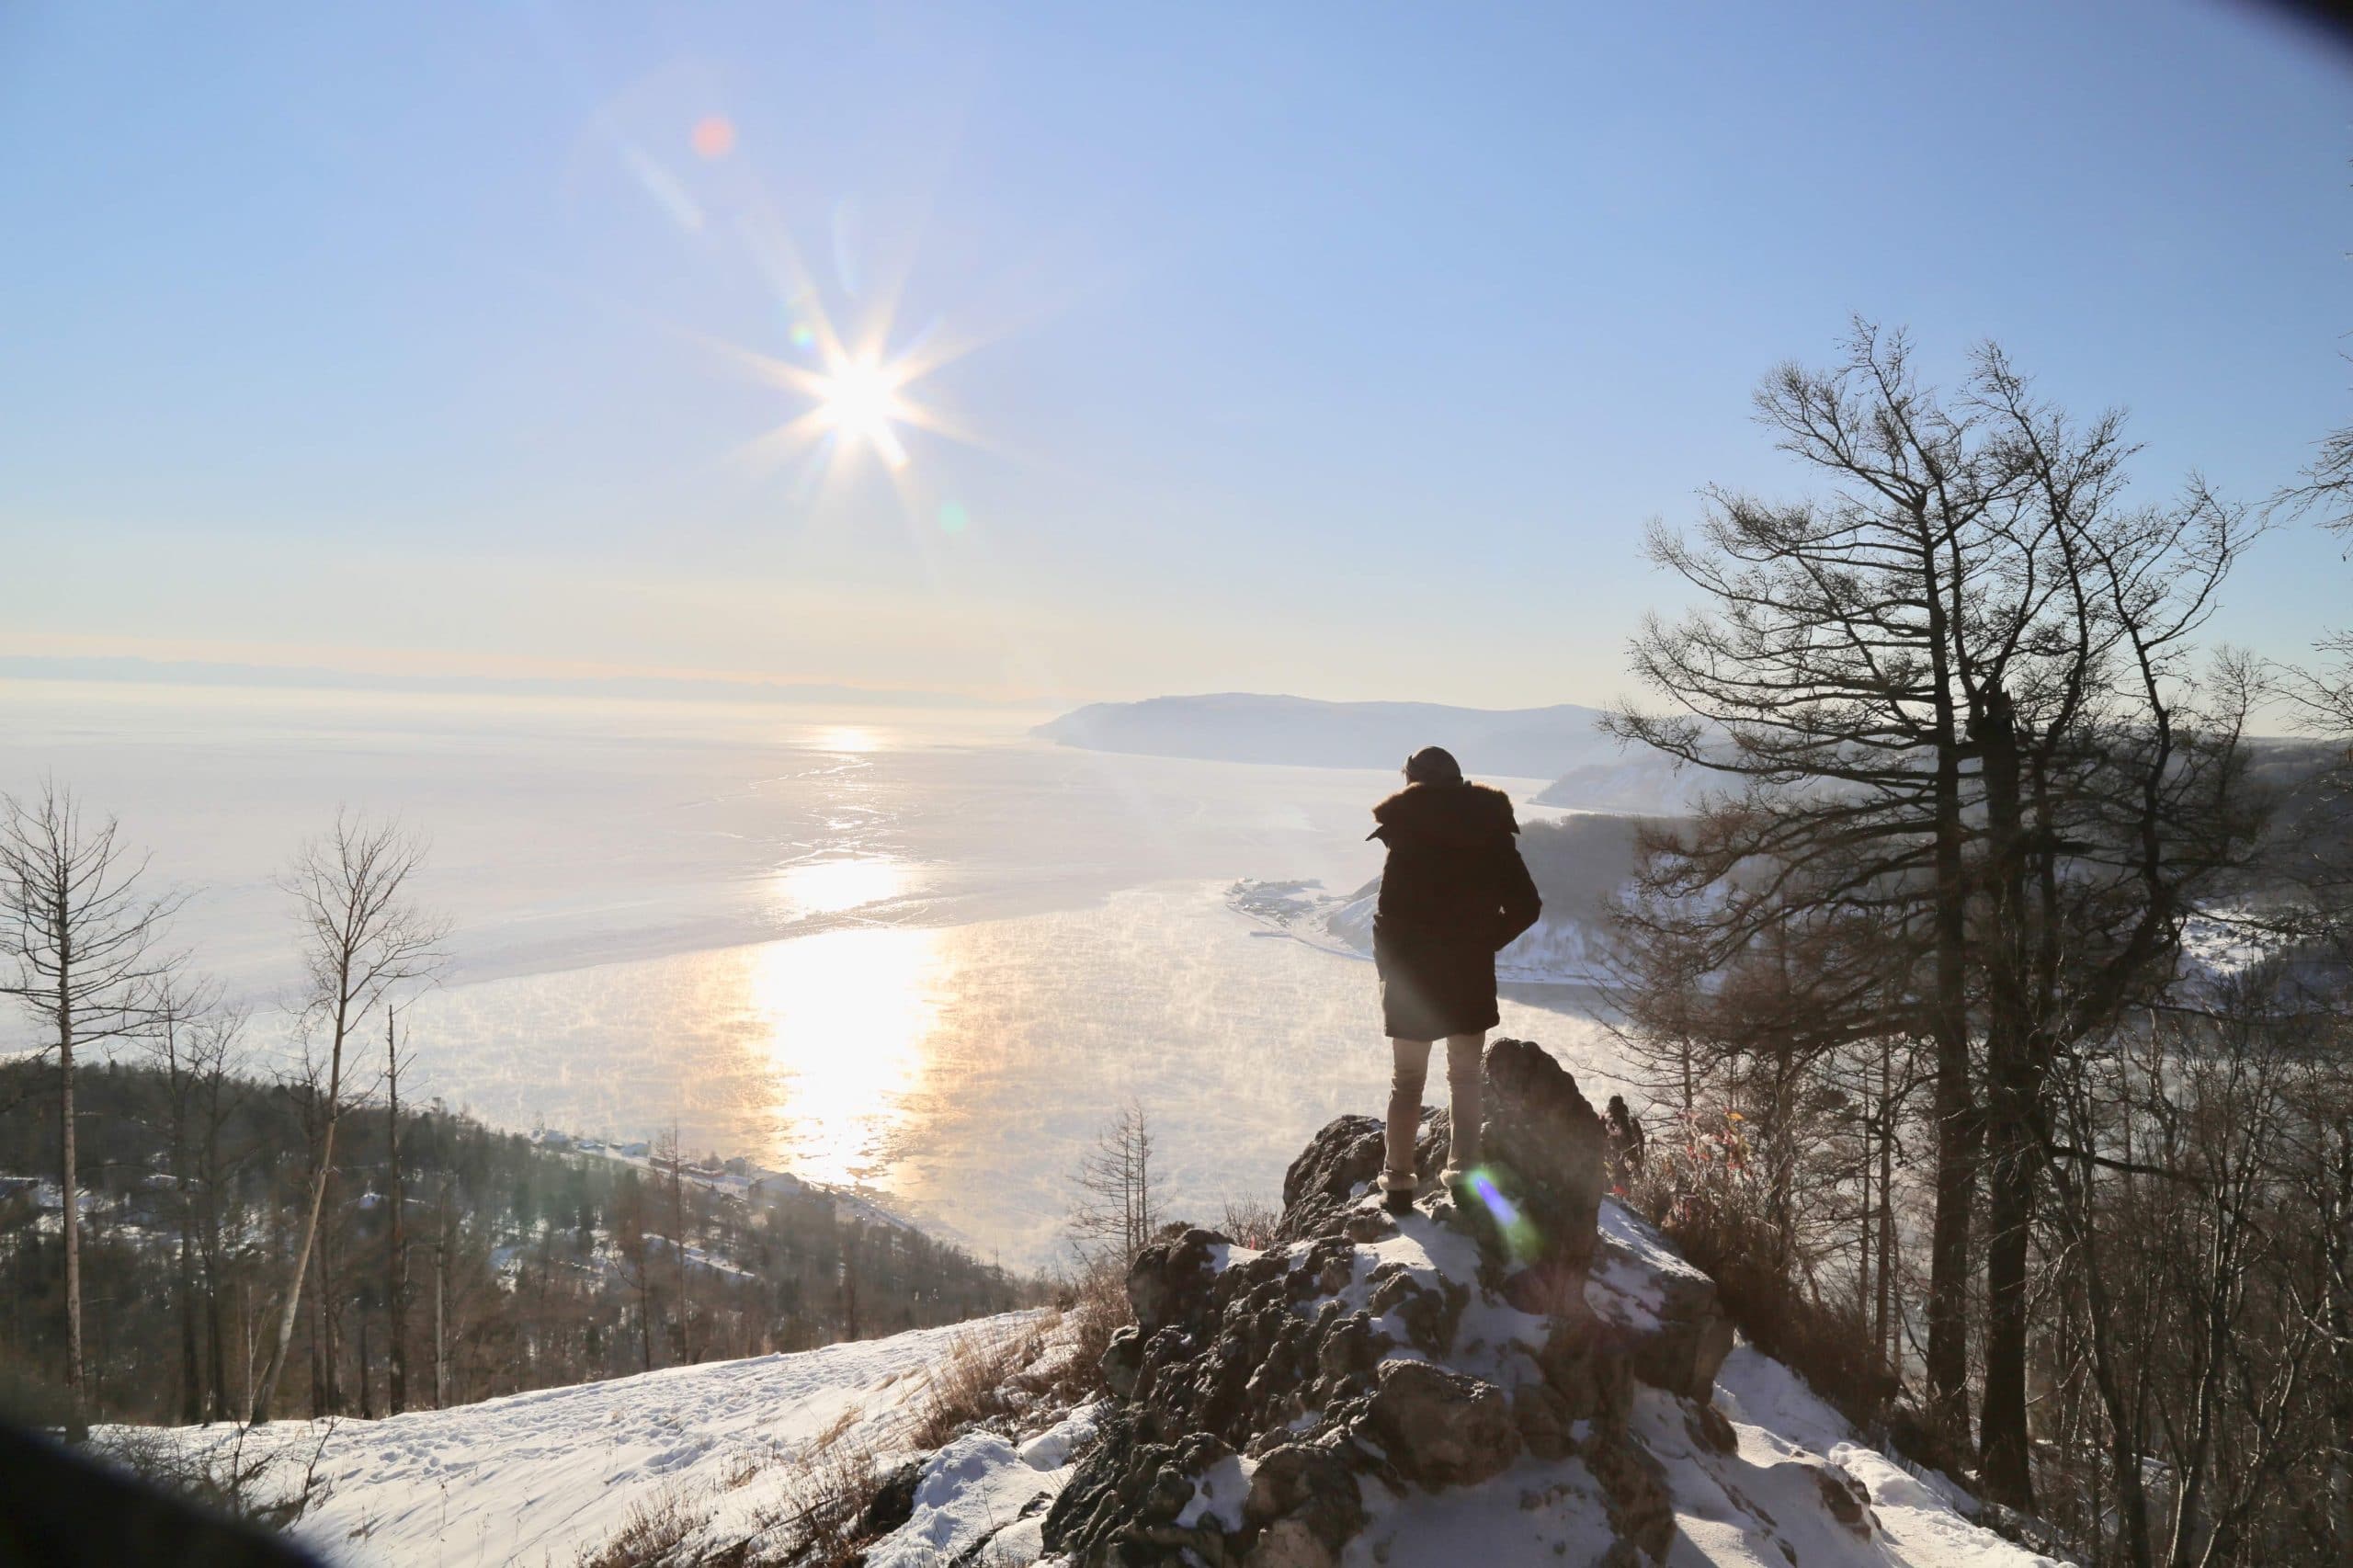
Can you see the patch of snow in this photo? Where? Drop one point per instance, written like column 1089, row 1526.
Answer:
column 1055, row 1447
column 1625, row 1284
column 983, row 1491
column 971, row 1490
column 541, row 1476
column 1533, row 1513
column 1220, row 1494
column 1922, row 1516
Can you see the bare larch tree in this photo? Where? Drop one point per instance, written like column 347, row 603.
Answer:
column 79, row 933
column 362, row 937
column 1117, row 1205
column 182, row 1040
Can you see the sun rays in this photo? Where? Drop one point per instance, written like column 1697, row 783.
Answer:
column 859, row 397
column 861, row 419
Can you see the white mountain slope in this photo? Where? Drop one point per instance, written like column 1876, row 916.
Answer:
column 722, row 1453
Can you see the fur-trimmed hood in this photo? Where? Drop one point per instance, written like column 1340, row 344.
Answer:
column 1463, row 814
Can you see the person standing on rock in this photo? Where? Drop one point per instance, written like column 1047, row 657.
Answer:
column 1454, row 893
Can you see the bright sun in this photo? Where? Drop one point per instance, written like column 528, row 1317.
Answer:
column 860, row 399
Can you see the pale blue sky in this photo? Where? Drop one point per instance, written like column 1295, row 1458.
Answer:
column 1340, row 350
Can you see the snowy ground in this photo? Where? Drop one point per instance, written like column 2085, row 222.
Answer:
column 728, row 1448
column 539, row 1478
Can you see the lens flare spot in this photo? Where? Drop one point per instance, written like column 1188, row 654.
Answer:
column 714, row 136
column 1520, row 1236
column 953, row 519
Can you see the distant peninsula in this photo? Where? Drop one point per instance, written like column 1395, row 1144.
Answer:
column 1516, row 743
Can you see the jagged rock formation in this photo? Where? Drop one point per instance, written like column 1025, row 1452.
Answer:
column 1270, row 1401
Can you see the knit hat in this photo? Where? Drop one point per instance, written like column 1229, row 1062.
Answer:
column 1433, row 764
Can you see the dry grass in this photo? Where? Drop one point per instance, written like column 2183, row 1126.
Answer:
column 971, row 1384
column 817, row 1522
column 1093, row 1307
column 1703, row 1190
column 651, row 1537
column 747, row 1464
column 1251, row 1222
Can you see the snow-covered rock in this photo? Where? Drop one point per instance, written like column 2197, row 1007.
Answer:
column 1373, row 1389
column 983, row 1492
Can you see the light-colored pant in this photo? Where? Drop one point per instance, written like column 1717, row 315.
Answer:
column 1409, row 1070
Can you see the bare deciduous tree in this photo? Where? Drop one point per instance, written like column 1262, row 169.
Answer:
column 81, row 933
column 362, row 936
column 1824, row 676
column 1117, row 1205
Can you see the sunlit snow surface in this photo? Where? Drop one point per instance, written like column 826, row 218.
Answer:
column 912, row 950
column 548, row 1477
column 544, row 1477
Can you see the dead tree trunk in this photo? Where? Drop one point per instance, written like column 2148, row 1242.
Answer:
column 396, row 1287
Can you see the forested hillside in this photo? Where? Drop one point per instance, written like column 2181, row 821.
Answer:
column 519, row 1262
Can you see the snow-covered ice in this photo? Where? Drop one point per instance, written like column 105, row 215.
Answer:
column 1557, row 950
column 859, row 947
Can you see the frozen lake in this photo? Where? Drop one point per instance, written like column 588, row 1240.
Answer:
column 913, row 951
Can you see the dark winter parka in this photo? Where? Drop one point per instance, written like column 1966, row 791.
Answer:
column 1454, row 893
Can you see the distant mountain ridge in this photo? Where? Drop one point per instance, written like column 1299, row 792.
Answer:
column 1516, row 743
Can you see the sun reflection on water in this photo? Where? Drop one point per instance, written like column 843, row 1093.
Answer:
column 830, row 887
column 854, row 739
column 843, row 1019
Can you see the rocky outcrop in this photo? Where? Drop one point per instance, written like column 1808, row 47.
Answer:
column 1849, row 1501
column 1666, row 1312
column 1441, row 1428
column 1545, row 1148
column 1274, row 1401
column 1330, row 1177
